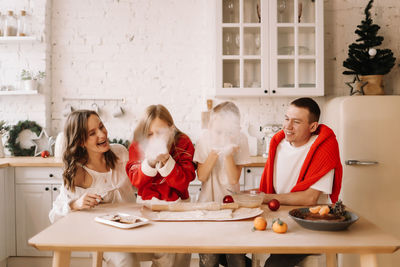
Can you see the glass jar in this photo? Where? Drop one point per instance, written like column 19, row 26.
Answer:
column 10, row 24
column 21, row 24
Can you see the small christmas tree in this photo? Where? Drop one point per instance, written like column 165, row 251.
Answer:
column 363, row 58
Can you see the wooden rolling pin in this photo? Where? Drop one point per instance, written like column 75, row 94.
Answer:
column 188, row 206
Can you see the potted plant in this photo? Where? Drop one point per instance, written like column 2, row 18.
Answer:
column 30, row 80
column 364, row 60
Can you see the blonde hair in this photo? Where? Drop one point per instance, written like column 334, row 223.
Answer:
column 75, row 132
column 152, row 112
column 226, row 107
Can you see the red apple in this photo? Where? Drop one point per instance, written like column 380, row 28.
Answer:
column 45, row 154
column 228, row 199
column 273, row 204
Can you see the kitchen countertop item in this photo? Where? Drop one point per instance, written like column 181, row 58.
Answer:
column 324, row 225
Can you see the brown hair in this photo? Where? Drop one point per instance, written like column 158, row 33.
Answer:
column 75, row 135
column 310, row 105
column 152, row 112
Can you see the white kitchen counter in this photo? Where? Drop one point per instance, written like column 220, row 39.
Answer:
column 53, row 162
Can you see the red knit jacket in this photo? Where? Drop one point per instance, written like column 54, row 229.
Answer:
column 322, row 157
column 176, row 184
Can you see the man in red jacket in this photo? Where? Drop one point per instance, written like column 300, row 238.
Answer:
column 303, row 165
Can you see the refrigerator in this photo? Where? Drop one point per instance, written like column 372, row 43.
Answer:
column 368, row 132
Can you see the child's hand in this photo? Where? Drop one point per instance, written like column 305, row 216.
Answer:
column 86, row 201
column 229, row 150
column 214, row 153
column 162, row 158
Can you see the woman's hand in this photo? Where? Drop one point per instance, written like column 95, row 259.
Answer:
column 86, row 201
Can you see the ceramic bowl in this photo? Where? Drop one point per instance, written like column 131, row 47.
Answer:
column 324, row 225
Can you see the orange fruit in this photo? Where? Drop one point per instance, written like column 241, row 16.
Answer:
column 324, row 210
column 260, row 223
column 279, row 226
column 314, row 209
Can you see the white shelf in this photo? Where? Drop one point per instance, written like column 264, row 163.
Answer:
column 10, row 39
column 19, row 92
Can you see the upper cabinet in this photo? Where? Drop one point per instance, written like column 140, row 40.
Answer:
column 270, row 48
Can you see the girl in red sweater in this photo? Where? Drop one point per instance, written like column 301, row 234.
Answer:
column 160, row 162
column 161, row 167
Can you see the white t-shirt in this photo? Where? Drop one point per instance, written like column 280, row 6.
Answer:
column 217, row 185
column 288, row 162
column 114, row 186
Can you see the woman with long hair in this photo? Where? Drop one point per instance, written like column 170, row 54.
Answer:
column 94, row 172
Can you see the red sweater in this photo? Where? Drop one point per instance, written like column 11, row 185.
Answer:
column 175, row 185
column 322, row 157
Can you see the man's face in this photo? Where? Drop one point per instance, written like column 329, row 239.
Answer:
column 297, row 127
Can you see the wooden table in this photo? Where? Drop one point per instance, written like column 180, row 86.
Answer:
column 79, row 232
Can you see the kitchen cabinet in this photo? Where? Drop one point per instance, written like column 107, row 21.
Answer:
column 35, row 190
column 7, row 214
column 3, row 216
column 252, row 177
column 269, row 48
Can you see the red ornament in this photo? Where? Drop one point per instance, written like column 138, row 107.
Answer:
column 45, row 154
column 228, row 199
column 274, row 204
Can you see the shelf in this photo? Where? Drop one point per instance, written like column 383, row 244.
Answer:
column 10, row 39
column 19, row 92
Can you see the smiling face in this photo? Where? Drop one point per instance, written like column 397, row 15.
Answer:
column 297, row 126
column 96, row 136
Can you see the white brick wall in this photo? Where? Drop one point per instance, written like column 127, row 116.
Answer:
column 157, row 51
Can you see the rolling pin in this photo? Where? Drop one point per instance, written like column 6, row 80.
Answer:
column 188, row 206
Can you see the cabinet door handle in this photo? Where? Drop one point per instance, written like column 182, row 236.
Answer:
column 55, row 188
column 248, row 171
column 51, row 175
column 47, row 189
column 359, row 162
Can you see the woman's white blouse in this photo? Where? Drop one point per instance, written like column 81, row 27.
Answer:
column 113, row 186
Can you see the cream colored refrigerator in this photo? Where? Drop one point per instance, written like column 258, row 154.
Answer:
column 368, row 132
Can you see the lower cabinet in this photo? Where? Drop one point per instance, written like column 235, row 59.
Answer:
column 35, row 190
column 3, row 216
column 33, row 204
column 252, row 177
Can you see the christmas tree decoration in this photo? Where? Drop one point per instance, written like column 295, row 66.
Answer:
column 14, row 146
column 364, row 59
column 372, row 52
column 359, row 60
column 43, row 143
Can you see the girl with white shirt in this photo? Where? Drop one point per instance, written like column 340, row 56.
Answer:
column 94, row 172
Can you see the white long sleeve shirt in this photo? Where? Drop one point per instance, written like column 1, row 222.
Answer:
column 114, row 186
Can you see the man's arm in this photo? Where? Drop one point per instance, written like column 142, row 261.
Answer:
column 308, row 197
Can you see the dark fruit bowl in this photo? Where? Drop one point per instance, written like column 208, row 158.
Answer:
column 323, row 225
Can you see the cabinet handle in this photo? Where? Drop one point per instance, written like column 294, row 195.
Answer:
column 273, row 91
column 47, row 189
column 55, row 188
column 51, row 175
column 266, row 91
column 248, row 171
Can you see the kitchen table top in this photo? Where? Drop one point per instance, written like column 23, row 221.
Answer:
column 56, row 162
column 78, row 231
